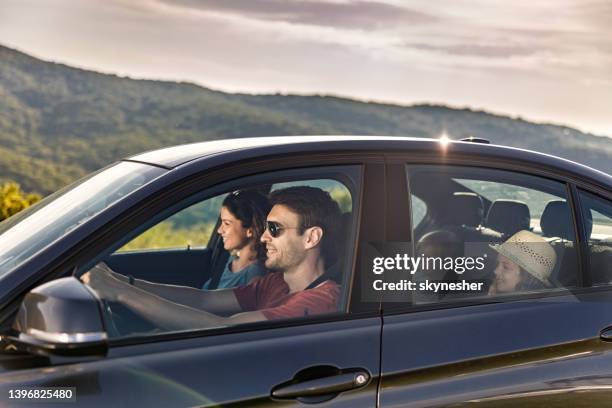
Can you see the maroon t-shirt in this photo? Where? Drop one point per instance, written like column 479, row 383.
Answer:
column 270, row 295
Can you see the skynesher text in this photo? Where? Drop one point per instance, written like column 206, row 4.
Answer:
column 429, row 286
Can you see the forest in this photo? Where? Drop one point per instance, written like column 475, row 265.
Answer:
column 58, row 123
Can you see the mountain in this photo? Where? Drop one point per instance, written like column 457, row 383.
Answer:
column 58, row 123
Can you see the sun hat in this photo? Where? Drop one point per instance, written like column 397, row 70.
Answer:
column 531, row 252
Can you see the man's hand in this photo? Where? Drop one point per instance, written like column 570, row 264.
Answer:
column 101, row 271
column 100, row 279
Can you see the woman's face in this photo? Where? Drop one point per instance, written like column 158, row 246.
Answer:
column 507, row 274
column 235, row 236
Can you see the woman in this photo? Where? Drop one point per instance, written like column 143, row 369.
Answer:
column 525, row 262
column 243, row 220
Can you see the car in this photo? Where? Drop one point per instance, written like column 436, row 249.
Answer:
column 439, row 336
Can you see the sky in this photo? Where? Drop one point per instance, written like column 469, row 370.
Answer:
column 543, row 60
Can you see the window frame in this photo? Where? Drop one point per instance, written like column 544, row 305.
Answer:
column 350, row 176
column 483, row 163
column 577, row 184
column 184, row 181
column 578, row 192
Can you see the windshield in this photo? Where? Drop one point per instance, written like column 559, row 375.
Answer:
column 25, row 234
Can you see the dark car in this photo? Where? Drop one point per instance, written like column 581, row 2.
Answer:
column 455, row 337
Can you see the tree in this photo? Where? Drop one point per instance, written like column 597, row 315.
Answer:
column 13, row 200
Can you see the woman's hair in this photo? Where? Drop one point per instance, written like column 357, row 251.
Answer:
column 251, row 208
column 529, row 282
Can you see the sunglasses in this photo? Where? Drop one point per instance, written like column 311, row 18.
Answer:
column 276, row 229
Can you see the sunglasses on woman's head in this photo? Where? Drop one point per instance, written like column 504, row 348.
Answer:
column 276, row 228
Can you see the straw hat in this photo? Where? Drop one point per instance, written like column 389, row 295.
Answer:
column 531, row 252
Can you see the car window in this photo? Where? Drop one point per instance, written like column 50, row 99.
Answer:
column 337, row 190
column 235, row 243
column 535, row 200
column 189, row 228
column 419, row 209
column 194, row 226
column 489, row 233
column 64, row 211
column 597, row 216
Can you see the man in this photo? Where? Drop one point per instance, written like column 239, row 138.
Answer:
column 300, row 234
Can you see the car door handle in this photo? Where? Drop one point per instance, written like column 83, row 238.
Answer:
column 324, row 386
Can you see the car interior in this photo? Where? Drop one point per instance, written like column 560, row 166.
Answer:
column 462, row 218
column 598, row 224
column 193, row 266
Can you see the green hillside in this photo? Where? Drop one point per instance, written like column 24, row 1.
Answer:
column 58, row 123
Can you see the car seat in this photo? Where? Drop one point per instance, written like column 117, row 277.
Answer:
column 508, row 217
column 556, row 224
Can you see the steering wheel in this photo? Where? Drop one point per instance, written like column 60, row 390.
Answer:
column 109, row 319
column 122, row 321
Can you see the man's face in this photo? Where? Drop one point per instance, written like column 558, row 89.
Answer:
column 287, row 249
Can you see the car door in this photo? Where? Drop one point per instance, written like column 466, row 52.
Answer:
column 527, row 348
column 332, row 359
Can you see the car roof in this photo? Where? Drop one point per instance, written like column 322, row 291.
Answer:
column 175, row 156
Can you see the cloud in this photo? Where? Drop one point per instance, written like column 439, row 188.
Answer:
column 345, row 14
column 597, row 14
column 545, row 58
column 476, row 50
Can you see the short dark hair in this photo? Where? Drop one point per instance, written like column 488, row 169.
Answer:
column 251, row 208
column 315, row 208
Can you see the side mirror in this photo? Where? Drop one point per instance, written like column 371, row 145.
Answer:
column 60, row 318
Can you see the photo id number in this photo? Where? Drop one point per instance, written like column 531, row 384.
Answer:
column 47, row 394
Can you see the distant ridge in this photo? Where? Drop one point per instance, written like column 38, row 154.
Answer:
column 58, row 123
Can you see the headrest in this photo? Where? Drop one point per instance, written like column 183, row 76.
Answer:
column 345, row 224
column 508, row 216
column 340, row 238
column 336, row 257
column 556, row 220
column 467, row 209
